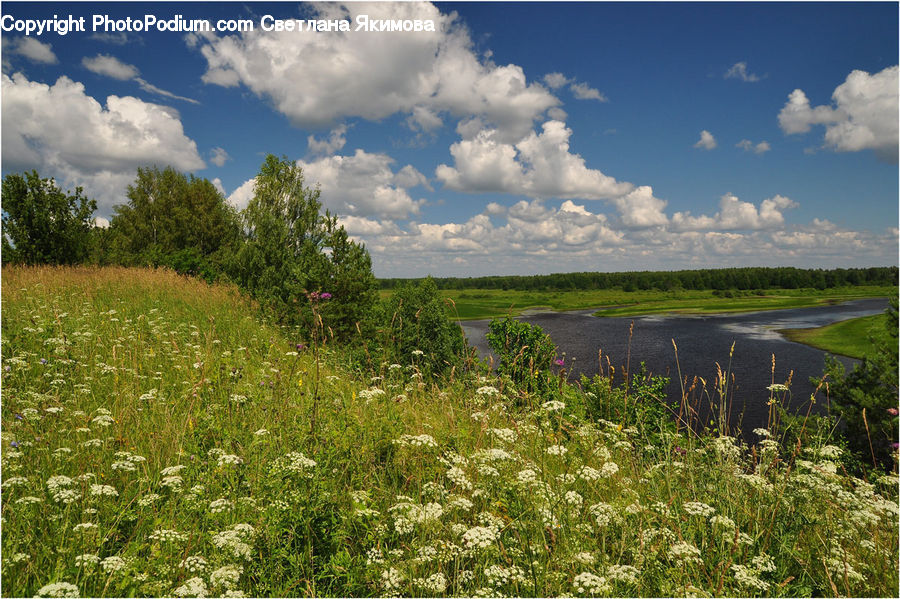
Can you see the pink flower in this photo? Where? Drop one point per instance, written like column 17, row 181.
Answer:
column 893, row 411
column 325, row 295
column 559, row 362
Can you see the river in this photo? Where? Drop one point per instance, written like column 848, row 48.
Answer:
column 702, row 342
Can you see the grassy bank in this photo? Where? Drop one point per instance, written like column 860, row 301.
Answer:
column 483, row 304
column 158, row 440
column 846, row 338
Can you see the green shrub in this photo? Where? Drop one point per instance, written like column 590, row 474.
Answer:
column 639, row 403
column 526, row 354
column 866, row 399
column 418, row 328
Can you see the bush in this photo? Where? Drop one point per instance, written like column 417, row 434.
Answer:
column 870, row 388
column 639, row 403
column 525, row 352
column 417, row 319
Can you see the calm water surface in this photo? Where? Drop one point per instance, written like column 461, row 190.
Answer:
column 702, row 342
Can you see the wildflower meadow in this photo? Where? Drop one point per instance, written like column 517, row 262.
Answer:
column 160, row 439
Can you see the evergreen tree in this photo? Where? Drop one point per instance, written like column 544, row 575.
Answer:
column 295, row 259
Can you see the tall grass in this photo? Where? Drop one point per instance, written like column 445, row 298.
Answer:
column 158, row 439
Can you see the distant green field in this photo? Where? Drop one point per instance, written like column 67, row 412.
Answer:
column 847, row 338
column 488, row 303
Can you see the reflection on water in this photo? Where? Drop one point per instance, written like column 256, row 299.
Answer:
column 702, row 342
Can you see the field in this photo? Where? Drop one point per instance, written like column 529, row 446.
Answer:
column 475, row 304
column 159, row 439
column 847, row 338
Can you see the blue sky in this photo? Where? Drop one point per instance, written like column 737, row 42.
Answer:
column 517, row 138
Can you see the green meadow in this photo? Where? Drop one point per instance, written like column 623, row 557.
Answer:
column 159, row 438
column 848, row 338
column 476, row 304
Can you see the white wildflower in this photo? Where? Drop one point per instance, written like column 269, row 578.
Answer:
column 58, row 589
column 113, row 564
column 194, row 564
column 104, row 491
column 696, row 508
column 479, row 537
column 559, row 450
column 230, row 460
column 192, row 587
column 587, row 584
column 167, row 535
column 226, row 576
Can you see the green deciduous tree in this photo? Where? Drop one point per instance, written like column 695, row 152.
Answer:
column 42, row 224
column 291, row 251
column 173, row 220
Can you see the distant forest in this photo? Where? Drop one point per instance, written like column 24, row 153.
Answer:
column 749, row 278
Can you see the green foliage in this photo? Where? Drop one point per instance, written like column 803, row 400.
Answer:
column 172, row 220
column 42, row 224
column 871, row 387
column 156, row 442
column 526, row 354
column 419, row 327
column 640, row 402
column 291, row 251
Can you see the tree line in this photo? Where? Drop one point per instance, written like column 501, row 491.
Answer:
column 721, row 279
column 283, row 250
column 302, row 268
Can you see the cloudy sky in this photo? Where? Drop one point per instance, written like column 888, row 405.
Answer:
column 516, row 138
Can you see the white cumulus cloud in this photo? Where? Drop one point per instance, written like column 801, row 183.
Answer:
column 240, row 197
column 582, row 91
column 219, row 156
column 556, row 80
column 538, row 166
column 334, row 142
column 640, row 208
column 735, row 214
column 759, row 148
column 372, row 76
column 110, row 66
column 739, row 71
column 363, row 184
column 863, row 114
column 61, row 131
column 707, row 141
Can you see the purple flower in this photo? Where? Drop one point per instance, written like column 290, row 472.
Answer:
column 680, row 450
column 19, row 417
column 325, row 295
column 43, row 360
column 14, row 444
column 559, row 361
column 301, row 346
